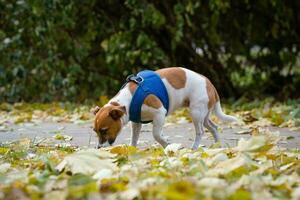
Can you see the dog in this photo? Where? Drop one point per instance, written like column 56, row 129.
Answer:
column 185, row 88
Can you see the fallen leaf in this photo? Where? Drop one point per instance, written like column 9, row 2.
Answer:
column 255, row 143
column 123, row 150
column 172, row 148
column 242, row 132
column 4, row 167
column 88, row 161
column 103, row 173
column 60, row 136
column 290, row 137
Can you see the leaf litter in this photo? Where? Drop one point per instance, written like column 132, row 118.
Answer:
column 257, row 168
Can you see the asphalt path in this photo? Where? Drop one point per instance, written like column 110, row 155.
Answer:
column 83, row 135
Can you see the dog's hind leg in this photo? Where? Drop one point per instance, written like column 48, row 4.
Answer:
column 212, row 127
column 198, row 115
column 212, row 124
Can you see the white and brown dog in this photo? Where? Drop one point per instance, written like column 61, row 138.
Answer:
column 185, row 88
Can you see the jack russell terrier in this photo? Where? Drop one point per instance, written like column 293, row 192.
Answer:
column 151, row 96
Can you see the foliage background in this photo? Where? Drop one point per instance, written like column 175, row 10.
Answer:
column 77, row 50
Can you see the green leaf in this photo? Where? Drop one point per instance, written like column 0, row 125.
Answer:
column 240, row 194
column 81, row 186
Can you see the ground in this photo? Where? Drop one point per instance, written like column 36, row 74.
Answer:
column 48, row 151
column 83, row 135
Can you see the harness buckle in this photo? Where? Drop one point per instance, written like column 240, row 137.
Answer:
column 135, row 78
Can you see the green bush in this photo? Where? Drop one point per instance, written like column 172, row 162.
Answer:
column 76, row 50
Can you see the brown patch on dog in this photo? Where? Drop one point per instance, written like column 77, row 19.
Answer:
column 117, row 112
column 132, row 87
column 152, row 101
column 95, row 110
column 108, row 124
column 174, row 75
column 213, row 96
column 114, row 103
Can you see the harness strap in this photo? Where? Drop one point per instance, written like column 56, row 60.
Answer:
column 148, row 82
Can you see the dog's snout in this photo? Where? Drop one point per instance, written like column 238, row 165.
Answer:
column 111, row 141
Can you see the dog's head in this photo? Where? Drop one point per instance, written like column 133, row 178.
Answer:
column 108, row 123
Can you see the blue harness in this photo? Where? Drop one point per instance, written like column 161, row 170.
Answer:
column 148, row 82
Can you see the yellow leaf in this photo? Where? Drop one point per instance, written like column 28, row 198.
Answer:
column 180, row 190
column 123, row 150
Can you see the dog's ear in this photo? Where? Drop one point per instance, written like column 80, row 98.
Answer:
column 117, row 112
column 95, row 110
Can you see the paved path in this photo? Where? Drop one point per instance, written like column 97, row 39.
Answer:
column 179, row 133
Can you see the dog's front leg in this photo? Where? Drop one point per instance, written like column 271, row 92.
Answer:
column 158, row 122
column 135, row 132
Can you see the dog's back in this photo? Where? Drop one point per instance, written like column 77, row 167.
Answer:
column 186, row 87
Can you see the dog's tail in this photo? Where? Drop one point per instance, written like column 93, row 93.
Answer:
column 219, row 113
